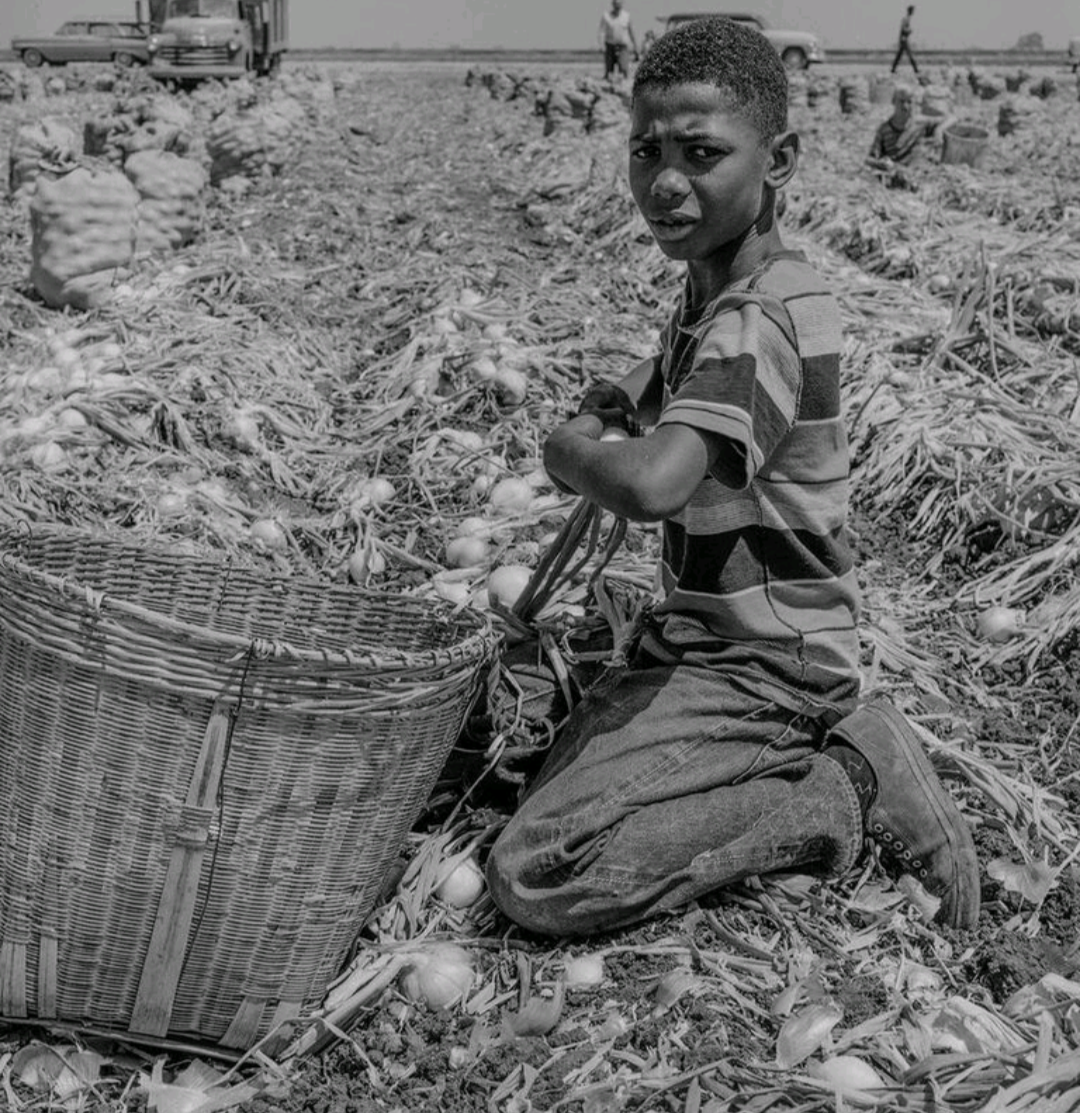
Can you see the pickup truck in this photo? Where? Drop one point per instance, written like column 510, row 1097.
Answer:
column 81, row 40
column 797, row 48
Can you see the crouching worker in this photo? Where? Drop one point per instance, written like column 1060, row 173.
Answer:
column 897, row 142
column 733, row 743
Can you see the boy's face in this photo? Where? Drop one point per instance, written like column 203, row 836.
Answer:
column 697, row 168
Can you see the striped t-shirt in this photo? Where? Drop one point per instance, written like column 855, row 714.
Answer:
column 757, row 573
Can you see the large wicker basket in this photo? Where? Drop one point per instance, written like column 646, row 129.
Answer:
column 206, row 773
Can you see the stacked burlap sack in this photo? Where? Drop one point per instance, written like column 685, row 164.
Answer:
column 89, row 225
column 252, row 142
column 150, row 123
column 45, row 147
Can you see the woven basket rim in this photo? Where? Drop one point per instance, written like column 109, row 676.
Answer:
column 477, row 643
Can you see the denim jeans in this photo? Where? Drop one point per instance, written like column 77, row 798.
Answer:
column 666, row 783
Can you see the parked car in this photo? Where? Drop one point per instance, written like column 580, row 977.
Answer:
column 797, row 48
column 86, row 41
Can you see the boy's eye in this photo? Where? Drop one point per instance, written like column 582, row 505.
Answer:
column 703, row 153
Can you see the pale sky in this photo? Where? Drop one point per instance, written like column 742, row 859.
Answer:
column 571, row 24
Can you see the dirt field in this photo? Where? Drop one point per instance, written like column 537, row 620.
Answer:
column 422, row 218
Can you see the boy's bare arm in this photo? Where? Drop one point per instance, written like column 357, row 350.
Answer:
column 644, row 479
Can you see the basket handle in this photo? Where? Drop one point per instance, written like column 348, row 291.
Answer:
column 169, row 941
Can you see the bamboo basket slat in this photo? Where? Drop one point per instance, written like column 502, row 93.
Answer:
column 155, row 878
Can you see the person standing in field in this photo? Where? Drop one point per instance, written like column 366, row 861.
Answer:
column 617, row 40
column 903, row 46
column 734, row 741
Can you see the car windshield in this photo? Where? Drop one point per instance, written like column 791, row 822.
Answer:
column 208, row 9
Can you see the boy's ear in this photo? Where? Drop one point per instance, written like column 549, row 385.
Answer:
column 784, row 153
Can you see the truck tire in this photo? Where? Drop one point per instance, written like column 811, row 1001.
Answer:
column 32, row 58
column 123, row 59
column 794, row 58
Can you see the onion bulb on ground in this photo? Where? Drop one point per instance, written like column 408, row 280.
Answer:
column 364, row 562
column 465, row 552
column 483, row 369
column 439, row 976
column 463, row 885
column 511, row 495
column 849, row 1075
column 506, row 583
column 269, row 534
column 583, row 971
column 48, row 456
column 511, row 386
column 453, row 591
column 472, row 527
column 999, row 624
column 376, row 491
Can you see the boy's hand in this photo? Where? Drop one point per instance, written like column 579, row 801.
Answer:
column 612, row 405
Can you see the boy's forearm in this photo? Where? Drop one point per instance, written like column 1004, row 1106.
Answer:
column 575, row 456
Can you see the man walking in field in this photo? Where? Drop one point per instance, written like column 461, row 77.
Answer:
column 903, row 47
column 616, row 40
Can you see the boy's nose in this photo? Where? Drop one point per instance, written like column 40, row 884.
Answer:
column 670, row 183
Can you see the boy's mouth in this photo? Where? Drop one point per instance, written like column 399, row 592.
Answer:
column 670, row 225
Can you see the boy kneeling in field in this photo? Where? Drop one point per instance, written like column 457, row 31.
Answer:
column 733, row 743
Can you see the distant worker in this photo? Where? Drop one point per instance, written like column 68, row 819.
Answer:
column 898, row 139
column 903, row 47
column 617, row 39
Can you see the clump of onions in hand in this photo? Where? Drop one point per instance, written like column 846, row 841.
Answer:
column 439, row 976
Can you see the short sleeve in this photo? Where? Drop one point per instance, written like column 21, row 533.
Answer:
column 742, row 384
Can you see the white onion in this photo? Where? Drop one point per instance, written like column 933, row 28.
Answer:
column 170, row 504
column 269, row 534
column 483, row 369
column 470, row 298
column 439, row 976
column 999, row 624
column 453, row 591
column 848, row 1074
column 462, row 886
column 511, row 496
column 473, row 527
column 506, row 583
column 365, row 562
column 465, row 438
column 583, row 970
column 48, row 456
column 71, row 418
column 614, row 433
column 376, row 491
column 511, row 386
column 464, row 552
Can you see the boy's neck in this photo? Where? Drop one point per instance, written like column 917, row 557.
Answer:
column 708, row 278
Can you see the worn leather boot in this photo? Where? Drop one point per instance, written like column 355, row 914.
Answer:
column 911, row 815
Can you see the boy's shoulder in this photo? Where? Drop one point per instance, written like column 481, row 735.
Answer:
column 789, row 274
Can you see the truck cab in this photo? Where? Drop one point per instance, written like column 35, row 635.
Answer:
column 218, row 38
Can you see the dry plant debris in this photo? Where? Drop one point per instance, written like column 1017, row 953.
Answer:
column 403, row 278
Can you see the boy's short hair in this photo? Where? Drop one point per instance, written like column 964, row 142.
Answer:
column 733, row 57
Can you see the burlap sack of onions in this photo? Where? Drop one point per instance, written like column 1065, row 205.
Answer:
column 251, row 143
column 171, row 209
column 46, row 146
column 140, row 124
column 83, row 227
